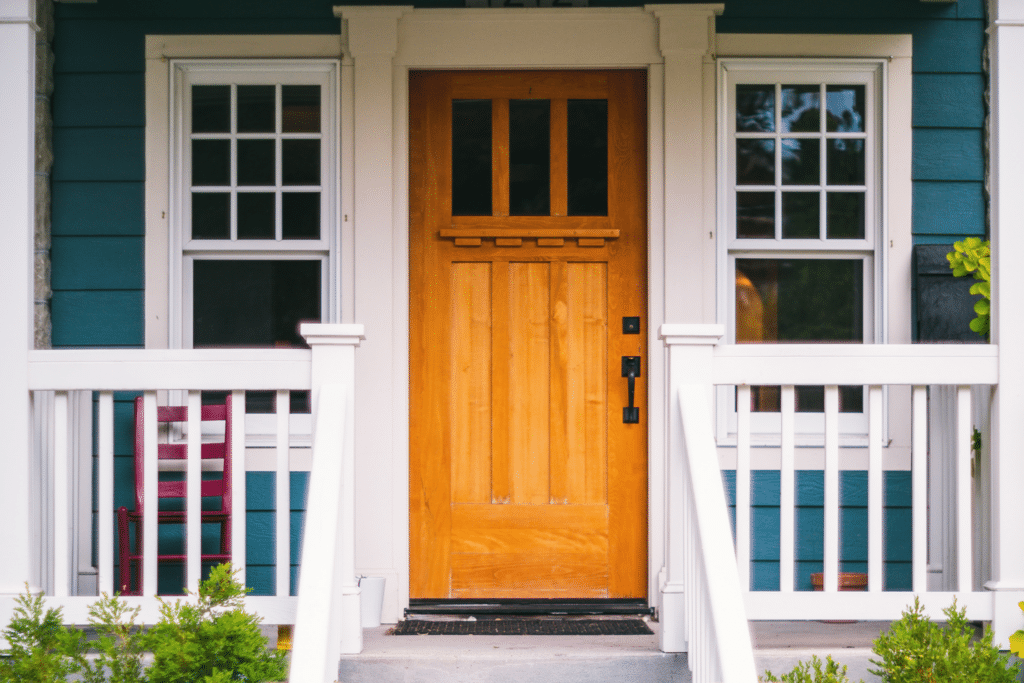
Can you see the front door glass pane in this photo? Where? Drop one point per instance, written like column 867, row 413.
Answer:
column 588, row 157
column 471, row 158
column 529, row 157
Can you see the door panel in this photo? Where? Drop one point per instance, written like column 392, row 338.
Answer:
column 524, row 481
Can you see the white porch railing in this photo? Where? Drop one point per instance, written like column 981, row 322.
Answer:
column 893, row 436
column 60, row 379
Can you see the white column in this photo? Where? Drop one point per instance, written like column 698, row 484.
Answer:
column 378, row 285
column 17, row 202
column 1007, row 177
column 689, row 350
column 685, row 39
column 327, row 621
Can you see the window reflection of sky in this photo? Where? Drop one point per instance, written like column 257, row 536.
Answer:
column 799, row 113
column 843, row 105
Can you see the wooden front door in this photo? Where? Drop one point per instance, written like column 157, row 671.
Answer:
column 527, row 252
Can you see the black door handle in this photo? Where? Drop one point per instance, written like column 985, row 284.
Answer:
column 631, row 370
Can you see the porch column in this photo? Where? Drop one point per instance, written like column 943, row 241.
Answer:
column 17, row 200
column 378, row 279
column 327, row 619
column 685, row 39
column 1007, row 179
column 689, row 350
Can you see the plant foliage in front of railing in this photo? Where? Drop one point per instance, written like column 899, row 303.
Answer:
column 207, row 639
column 42, row 649
column 917, row 650
column 973, row 257
column 816, row 671
column 213, row 639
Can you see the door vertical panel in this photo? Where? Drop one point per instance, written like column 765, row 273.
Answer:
column 561, row 415
column 529, row 380
column 589, row 288
column 471, row 382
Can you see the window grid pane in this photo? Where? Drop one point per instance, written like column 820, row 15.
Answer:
column 786, row 142
column 248, row 138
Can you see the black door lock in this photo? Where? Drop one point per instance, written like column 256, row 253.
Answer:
column 631, row 370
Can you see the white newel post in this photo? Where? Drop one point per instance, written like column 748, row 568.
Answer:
column 17, row 210
column 327, row 621
column 689, row 349
column 1007, row 178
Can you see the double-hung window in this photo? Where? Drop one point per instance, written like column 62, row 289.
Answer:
column 255, row 204
column 801, row 217
column 256, row 200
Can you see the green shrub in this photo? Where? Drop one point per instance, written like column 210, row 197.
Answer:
column 120, row 645
column 209, row 638
column 812, row 673
column 41, row 650
column 212, row 639
column 917, row 650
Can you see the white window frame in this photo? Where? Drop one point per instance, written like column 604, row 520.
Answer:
column 184, row 251
column 873, row 74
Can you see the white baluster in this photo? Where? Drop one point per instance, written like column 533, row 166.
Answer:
column 831, row 571
column 787, row 493
column 105, row 491
column 193, row 492
column 964, row 559
column 149, row 494
column 743, row 484
column 236, row 424
column 282, row 500
column 919, row 496
column 61, row 496
column 875, row 493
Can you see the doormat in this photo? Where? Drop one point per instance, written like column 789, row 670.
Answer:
column 522, row 627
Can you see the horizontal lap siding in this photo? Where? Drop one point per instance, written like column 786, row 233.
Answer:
column 853, row 514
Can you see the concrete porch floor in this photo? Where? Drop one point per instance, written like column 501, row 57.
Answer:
column 568, row 659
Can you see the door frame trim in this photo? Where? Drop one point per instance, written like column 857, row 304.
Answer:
column 675, row 45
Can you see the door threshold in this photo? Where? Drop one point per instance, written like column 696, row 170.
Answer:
column 527, row 607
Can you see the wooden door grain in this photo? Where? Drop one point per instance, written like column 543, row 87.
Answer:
column 524, row 481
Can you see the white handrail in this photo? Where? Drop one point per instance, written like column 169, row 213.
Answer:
column 864, row 364
column 719, row 631
column 321, row 617
column 184, row 369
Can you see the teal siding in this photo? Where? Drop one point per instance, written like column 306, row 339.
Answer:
column 97, row 263
column 97, row 318
column 84, row 209
column 809, row 526
column 99, row 99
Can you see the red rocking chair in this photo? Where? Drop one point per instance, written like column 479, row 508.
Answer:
column 131, row 553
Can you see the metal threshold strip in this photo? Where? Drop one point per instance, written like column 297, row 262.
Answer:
column 527, row 607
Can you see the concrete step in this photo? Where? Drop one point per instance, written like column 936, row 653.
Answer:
column 592, row 659
column 501, row 659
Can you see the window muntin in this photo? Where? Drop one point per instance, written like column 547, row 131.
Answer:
column 801, row 220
